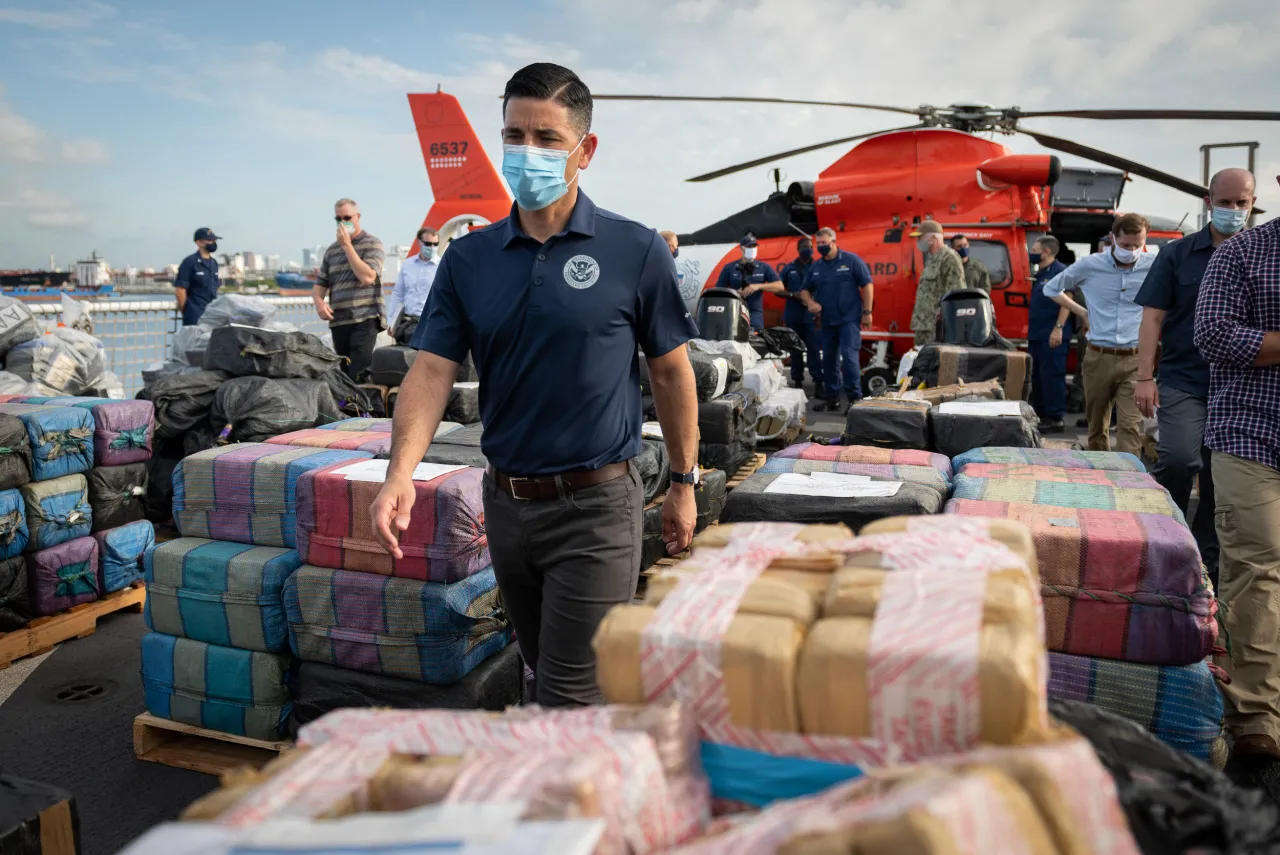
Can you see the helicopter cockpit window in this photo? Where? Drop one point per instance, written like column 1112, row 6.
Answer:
column 893, row 235
column 995, row 255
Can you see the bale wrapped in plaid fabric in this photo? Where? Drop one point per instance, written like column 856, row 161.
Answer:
column 118, row 495
column 1099, row 497
column 425, row 631
column 1114, row 584
column 247, row 493
column 57, row 510
column 1065, row 459
column 15, row 452
column 377, row 443
column 867, row 454
column 887, row 423
column 14, row 534
column 380, row 426
column 926, row 475
column 445, row 540
column 220, row 593
column 120, row 552
column 464, row 404
column 122, row 430
column 61, row 438
column 243, row 692
column 1060, row 475
column 494, row 685
column 63, row 576
column 947, row 364
column 752, row 501
column 15, row 605
column 256, row 352
column 730, row 418
column 1180, row 704
column 957, row 427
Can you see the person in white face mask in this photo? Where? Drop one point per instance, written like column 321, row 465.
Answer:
column 1110, row 282
column 1181, row 393
column 409, row 297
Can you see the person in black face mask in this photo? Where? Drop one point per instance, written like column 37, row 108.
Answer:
column 798, row 318
column 751, row 279
column 838, row 287
column 976, row 274
column 197, row 282
column 673, row 243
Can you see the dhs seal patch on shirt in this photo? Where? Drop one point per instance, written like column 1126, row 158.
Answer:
column 581, row 272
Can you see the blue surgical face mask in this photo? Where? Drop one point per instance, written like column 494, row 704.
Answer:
column 1228, row 221
column 426, row 253
column 963, row 252
column 536, row 175
column 806, row 255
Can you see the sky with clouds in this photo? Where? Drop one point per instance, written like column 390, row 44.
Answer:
column 124, row 126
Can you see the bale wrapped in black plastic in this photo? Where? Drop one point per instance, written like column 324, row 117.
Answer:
column 15, row 609
column 727, row 456
column 199, row 438
column 377, row 401
column 17, row 323
column 715, row 375
column 183, row 401
column 708, row 498
column 457, row 447
column 467, row 371
column 654, row 467
column 729, row 418
column 159, row 499
column 494, row 685
column 351, row 399
column 118, row 494
column 947, row 364
column 404, row 328
column 464, row 404
column 391, row 364
column 254, row 409
column 15, row 453
column 1174, row 802
column 960, row 426
column 854, row 505
column 256, row 352
column 887, row 423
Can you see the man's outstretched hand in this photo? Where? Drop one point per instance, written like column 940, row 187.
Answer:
column 390, row 513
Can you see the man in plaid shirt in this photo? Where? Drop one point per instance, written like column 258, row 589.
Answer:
column 1237, row 328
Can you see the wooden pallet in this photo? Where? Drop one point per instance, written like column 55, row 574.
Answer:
column 183, row 746
column 80, row 621
column 746, row 470
column 787, row 437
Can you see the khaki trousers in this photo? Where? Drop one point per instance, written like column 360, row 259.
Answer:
column 1248, row 523
column 1109, row 380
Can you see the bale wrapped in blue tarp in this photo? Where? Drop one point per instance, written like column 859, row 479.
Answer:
column 57, row 510
column 61, row 438
column 120, row 552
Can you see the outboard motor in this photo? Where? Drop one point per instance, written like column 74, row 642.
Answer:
column 722, row 316
column 968, row 318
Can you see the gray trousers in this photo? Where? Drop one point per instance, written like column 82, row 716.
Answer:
column 1181, row 456
column 561, row 565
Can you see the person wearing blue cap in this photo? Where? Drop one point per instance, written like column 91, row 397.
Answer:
column 197, row 282
column 751, row 279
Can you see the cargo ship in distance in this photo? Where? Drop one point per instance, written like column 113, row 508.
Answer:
column 92, row 278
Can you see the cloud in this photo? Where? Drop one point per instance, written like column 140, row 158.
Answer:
column 79, row 16
column 23, row 142
column 43, row 209
column 354, row 67
column 85, row 152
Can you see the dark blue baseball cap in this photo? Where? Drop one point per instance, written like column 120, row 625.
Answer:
column 206, row 234
column 748, row 240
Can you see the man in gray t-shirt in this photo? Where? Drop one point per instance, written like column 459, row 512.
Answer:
column 351, row 276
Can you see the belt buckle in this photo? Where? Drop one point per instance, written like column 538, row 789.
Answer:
column 514, row 495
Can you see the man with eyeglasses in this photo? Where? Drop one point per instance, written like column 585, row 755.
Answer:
column 351, row 276
column 413, row 285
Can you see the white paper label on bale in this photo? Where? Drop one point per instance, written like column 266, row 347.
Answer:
column 651, row 430
column 474, row 384
column 376, row 471
column 722, row 375
column 980, row 408
column 840, row 478
column 793, row 484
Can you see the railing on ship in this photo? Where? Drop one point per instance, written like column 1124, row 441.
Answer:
column 137, row 333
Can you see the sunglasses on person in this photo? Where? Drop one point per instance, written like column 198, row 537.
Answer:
column 430, row 243
column 348, row 218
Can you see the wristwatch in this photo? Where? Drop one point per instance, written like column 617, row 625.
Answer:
column 692, row 478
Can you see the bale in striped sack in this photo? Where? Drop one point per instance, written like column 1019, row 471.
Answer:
column 380, row 426
column 425, row 631
column 1063, row 458
column 57, row 510
column 867, row 454
column 1114, row 584
column 926, row 475
column 1180, row 704
column 120, row 552
column 15, row 605
column 122, row 430
column 118, row 494
column 242, row 692
column 63, row 576
column 445, row 540
column 1099, row 497
column 61, row 438
column 219, row 593
column 14, row 534
column 754, row 501
column 374, row 443
column 1061, row 475
column 247, row 493
column 15, row 452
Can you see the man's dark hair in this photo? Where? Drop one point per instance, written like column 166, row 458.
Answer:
column 547, row 81
column 958, row 237
column 804, row 243
column 1130, row 224
column 427, row 231
column 1050, row 243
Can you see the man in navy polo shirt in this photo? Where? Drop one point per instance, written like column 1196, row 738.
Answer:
column 1049, row 330
column 796, row 316
column 1181, row 397
column 552, row 302
column 838, row 287
column 197, row 282
column 751, row 279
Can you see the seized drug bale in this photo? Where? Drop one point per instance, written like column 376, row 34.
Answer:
column 371, row 425
column 219, row 593
column 867, row 454
column 876, row 471
column 14, row 534
column 254, row 409
column 391, row 365
column 887, row 423
column 765, row 379
column 708, row 498
column 1067, row 495
column 378, row 444
column 63, row 576
column 15, row 452
column 947, row 364
column 117, row 494
column 783, row 409
column 57, row 510
column 1117, row 461
column 654, row 467
column 464, row 404
column 251, row 351
column 64, row 360
column 713, row 376
column 727, row 457
column 730, row 418
column 160, row 488
column 17, row 324
column 120, row 552
column 15, row 605
column 988, row 390
column 754, row 501
column 959, row 427
column 122, row 430
column 349, row 398
column 243, row 309
column 183, row 401
column 61, row 438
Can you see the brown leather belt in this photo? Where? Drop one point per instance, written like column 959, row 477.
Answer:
column 544, row 488
column 1115, row 351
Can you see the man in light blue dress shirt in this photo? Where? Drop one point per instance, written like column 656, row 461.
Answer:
column 1110, row 281
column 409, row 296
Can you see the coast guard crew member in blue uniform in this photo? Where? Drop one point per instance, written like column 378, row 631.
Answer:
column 552, row 302
column 197, row 281
column 1049, row 331
column 751, row 278
column 838, row 287
column 796, row 316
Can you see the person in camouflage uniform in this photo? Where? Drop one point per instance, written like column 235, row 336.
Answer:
column 976, row 274
column 943, row 272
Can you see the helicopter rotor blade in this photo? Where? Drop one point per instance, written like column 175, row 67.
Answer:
column 760, row 161
column 1199, row 115
column 746, row 100
column 1117, row 162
